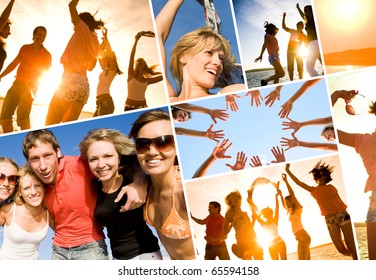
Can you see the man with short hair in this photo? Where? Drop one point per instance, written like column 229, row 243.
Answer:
column 71, row 198
column 215, row 240
column 33, row 60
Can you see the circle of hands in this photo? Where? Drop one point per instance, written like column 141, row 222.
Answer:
column 223, row 145
column 256, row 99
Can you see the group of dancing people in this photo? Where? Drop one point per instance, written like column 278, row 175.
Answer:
column 80, row 56
column 248, row 246
column 297, row 39
column 127, row 184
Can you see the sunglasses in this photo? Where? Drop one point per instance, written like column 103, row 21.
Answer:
column 162, row 144
column 12, row 179
column 362, row 107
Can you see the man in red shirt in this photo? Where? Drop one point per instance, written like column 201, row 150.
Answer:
column 33, row 60
column 215, row 241
column 71, row 198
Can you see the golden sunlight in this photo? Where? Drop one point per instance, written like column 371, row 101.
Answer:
column 339, row 13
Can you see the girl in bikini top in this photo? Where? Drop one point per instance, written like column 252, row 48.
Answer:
column 174, row 227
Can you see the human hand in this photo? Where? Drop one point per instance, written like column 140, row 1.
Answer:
column 278, row 154
column 284, row 176
column 347, row 95
column 255, row 97
column 241, row 160
column 213, row 135
column 221, row 149
column 231, row 101
column 291, row 125
column 255, row 161
column 271, row 97
column 287, row 167
column 136, row 196
column 258, row 59
column 284, row 14
column 286, row 109
column 290, row 143
column 104, row 32
column 218, row 114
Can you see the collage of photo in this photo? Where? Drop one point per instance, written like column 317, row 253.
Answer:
column 187, row 130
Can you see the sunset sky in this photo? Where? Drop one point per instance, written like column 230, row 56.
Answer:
column 346, row 24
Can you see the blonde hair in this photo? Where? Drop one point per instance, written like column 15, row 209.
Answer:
column 25, row 171
column 123, row 145
column 231, row 196
column 194, row 42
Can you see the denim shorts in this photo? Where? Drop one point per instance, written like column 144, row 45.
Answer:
column 96, row 250
column 371, row 214
column 338, row 220
column 273, row 58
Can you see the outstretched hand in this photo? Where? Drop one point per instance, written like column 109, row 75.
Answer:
column 291, row 125
column 231, row 101
column 221, row 149
column 289, row 143
column 241, row 160
column 347, row 95
column 136, row 196
column 278, row 154
column 255, row 161
column 218, row 114
column 214, row 135
column 286, row 109
column 255, row 97
column 271, row 97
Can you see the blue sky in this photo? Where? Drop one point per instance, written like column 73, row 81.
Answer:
column 69, row 136
column 255, row 130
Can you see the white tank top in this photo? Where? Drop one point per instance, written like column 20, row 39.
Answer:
column 136, row 89
column 19, row 244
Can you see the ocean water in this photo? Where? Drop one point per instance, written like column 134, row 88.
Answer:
column 254, row 78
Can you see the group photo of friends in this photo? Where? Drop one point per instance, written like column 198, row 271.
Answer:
column 186, row 130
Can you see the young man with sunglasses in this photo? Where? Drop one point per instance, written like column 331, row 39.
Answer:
column 71, row 197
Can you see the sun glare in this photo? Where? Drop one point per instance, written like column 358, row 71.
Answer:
column 346, row 15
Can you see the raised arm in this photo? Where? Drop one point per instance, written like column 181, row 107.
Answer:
column 73, row 12
column 131, row 57
column 301, row 13
column 213, row 113
column 294, row 142
column 276, row 210
column 296, row 180
column 5, row 15
column 287, row 106
column 291, row 191
column 164, row 21
column 291, row 124
column 284, row 23
column 212, row 135
column 218, row 152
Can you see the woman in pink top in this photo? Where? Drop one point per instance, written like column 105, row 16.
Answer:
column 79, row 57
column 332, row 208
column 271, row 45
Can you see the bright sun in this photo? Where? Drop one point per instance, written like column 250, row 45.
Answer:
column 346, row 15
